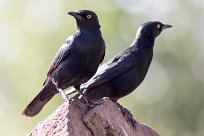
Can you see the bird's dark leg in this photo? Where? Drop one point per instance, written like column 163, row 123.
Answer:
column 88, row 102
column 77, row 87
column 91, row 104
column 82, row 94
column 64, row 96
column 74, row 91
column 67, row 99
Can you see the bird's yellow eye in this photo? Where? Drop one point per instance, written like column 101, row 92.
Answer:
column 158, row 26
column 88, row 16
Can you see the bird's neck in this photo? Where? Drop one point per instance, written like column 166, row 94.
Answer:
column 143, row 42
column 83, row 30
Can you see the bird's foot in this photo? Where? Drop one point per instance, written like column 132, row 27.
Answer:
column 92, row 104
column 127, row 115
column 89, row 103
column 69, row 100
column 72, row 101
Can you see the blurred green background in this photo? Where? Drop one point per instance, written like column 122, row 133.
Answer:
column 171, row 98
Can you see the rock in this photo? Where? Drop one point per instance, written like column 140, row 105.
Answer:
column 105, row 119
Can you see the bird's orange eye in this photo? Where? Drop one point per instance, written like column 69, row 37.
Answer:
column 88, row 16
column 158, row 26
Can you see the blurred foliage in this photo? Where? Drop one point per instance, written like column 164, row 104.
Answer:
column 171, row 97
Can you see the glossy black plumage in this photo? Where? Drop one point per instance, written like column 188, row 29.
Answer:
column 73, row 64
column 126, row 71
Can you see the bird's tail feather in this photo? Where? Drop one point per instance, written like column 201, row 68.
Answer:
column 36, row 105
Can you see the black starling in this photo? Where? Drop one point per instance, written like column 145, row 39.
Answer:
column 126, row 71
column 74, row 63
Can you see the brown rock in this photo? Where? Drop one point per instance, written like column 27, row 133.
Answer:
column 105, row 119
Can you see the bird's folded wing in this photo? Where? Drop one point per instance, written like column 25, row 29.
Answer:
column 110, row 70
column 60, row 55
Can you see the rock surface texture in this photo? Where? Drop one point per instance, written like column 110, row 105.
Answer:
column 105, row 119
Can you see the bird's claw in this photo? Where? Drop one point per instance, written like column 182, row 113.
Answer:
column 72, row 101
column 92, row 104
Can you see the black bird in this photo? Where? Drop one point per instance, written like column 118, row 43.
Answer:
column 75, row 62
column 126, row 71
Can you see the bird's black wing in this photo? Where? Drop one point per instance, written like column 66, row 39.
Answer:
column 115, row 67
column 60, row 55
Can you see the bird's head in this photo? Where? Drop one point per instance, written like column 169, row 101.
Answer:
column 85, row 19
column 151, row 29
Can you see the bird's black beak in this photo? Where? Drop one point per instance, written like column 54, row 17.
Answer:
column 75, row 14
column 165, row 26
